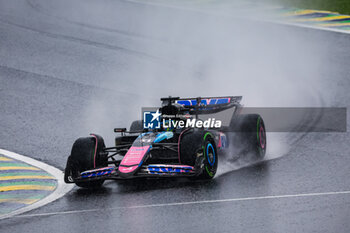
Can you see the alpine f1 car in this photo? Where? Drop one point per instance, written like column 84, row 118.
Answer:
column 180, row 143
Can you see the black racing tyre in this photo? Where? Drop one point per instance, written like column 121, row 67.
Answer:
column 250, row 135
column 196, row 143
column 136, row 126
column 87, row 153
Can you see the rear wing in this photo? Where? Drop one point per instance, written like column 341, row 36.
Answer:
column 205, row 105
column 207, row 101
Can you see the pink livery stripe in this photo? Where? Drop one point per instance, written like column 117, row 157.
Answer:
column 132, row 159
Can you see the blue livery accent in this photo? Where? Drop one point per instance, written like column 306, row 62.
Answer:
column 97, row 172
column 210, row 101
column 164, row 135
column 154, row 169
column 223, row 141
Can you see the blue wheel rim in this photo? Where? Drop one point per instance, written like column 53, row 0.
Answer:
column 211, row 163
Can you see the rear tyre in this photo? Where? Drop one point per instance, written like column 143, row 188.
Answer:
column 87, row 153
column 136, row 126
column 196, row 145
column 249, row 135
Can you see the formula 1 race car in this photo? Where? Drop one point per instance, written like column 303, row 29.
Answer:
column 181, row 140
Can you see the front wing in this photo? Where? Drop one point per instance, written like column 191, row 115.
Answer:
column 150, row 170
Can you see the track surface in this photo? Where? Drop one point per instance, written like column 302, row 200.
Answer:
column 68, row 68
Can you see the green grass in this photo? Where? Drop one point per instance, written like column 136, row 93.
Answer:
column 340, row 6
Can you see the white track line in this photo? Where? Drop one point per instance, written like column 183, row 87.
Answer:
column 238, row 17
column 61, row 189
column 188, row 203
column 308, row 26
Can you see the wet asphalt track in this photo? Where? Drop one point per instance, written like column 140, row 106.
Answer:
column 66, row 72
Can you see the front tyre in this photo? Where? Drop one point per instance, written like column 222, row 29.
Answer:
column 210, row 161
column 87, row 153
column 198, row 148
